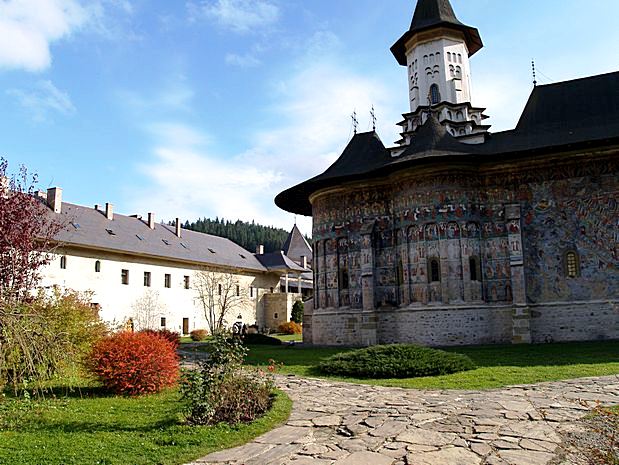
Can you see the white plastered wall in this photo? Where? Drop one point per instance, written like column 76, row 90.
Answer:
column 117, row 300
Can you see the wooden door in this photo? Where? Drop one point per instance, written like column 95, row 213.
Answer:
column 185, row 325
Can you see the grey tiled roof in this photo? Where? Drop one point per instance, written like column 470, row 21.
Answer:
column 279, row 261
column 296, row 246
column 87, row 227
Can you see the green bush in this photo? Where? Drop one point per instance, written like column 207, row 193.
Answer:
column 297, row 312
column 45, row 336
column 220, row 391
column 261, row 339
column 395, row 361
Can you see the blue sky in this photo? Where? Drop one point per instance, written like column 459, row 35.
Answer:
column 211, row 107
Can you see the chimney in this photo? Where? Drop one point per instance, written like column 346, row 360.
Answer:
column 260, row 250
column 109, row 211
column 304, row 261
column 96, row 207
column 151, row 220
column 54, row 199
column 178, row 227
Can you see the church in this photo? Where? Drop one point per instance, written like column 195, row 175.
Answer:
column 457, row 235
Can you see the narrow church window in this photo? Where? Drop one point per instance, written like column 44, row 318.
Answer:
column 459, row 58
column 163, row 322
column 124, row 277
column 452, row 71
column 344, row 282
column 97, row 266
column 147, row 279
column 572, row 264
column 63, row 263
column 238, row 290
column 219, row 289
column 186, row 282
column 474, row 269
column 459, row 116
column 435, row 270
column 435, row 96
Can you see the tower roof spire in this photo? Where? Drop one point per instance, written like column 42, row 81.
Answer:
column 430, row 14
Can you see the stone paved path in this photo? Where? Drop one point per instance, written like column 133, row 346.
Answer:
column 347, row 424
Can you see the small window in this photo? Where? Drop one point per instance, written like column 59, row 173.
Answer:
column 275, row 316
column 251, row 291
column 435, row 270
column 571, row 264
column 219, row 289
column 110, row 232
column 63, row 263
column 344, row 281
column 186, row 282
column 76, row 225
column 238, row 290
column 139, row 237
column 163, row 322
column 124, row 277
column 272, row 290
column 242, row 256
column 167, row 281
column 165, row 241
column 474, row 269
column 435, row 96
column 147, row 279
column 211, row 250
column 184, row 246
column 97, row 266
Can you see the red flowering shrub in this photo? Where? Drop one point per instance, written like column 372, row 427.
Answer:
column 290, row 328
column 135, row 363
column 199, row 335
column 170, row 336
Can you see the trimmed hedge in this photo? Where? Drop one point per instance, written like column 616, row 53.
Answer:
column 290, row 328
column 395, row 361
column 261, row 339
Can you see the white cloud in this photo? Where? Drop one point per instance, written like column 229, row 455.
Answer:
column 240, row 16
column 43, row 99
column 28, row 27
column 242, row 61
column 191, row 178
column 174, row 95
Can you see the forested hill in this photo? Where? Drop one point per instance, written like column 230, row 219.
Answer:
column 247, row 235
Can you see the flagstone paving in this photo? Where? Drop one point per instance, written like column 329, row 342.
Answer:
column 348, row 424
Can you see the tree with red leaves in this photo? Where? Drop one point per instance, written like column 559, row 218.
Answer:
column 27, row 230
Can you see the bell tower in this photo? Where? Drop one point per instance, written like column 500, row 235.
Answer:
column 436, row 51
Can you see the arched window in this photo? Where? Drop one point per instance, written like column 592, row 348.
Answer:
column 474, row 269
column 97, row 266
column 459, row 58
column 571, row 264
column 449, row 56
column 429, row 71
column 435, row 96
column 459, row 116
column 458, row 72
column 434, row 273
column 462, row 132
column 449, row 115
column 63, row 263
column 452, row 71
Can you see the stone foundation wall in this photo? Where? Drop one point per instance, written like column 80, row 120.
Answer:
column 574, row 321
column 446, row 326
column 277, row 308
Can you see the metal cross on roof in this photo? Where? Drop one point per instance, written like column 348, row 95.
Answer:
column 534, row 73
column 373, row 115
column 355, row 121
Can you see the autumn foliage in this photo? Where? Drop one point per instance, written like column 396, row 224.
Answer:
column 290, row 328
column 199, row 335
column 171, row 336
column 135, row 363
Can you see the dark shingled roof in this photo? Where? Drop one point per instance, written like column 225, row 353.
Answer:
column 430, row 14
column 562, row 116
column 279, row 262
column 296, row 246
column 89, row 228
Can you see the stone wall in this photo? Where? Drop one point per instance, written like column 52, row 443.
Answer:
column 277, row 308
column 575, row 321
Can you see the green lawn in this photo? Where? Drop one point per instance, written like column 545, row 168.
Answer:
column 288, row 337
column 96, row 429
column 497, row 365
